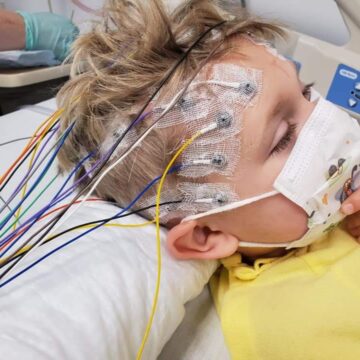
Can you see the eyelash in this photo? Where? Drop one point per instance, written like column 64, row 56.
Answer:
column 285, row 141
column 307, row 91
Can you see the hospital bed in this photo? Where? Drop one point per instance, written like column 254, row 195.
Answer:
column 326, row 44
column 199, row 334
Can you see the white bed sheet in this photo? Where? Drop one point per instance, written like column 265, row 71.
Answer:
column 199, row 335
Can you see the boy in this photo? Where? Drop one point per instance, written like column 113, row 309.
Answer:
column 252, row 112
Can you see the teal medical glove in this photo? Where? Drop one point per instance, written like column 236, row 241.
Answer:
column 47, row 31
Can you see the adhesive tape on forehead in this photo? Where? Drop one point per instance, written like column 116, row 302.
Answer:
column 216, row 100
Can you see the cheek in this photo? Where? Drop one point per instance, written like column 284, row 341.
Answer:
column 275, row 219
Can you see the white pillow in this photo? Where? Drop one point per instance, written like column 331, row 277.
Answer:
column 92, row 299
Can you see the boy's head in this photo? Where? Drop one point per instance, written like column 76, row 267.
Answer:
column 269, row 132
column 126, row 58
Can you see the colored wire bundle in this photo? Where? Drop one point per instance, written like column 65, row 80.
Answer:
column 32, row 141
column 88, row 181
column 83, row 225
column 97, row 176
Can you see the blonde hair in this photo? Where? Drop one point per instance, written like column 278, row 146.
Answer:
column 117, row 66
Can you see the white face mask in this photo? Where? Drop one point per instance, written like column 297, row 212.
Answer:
column 323, row 169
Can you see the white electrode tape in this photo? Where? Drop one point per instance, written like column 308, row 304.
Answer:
column 212, row 105
column 231, row 206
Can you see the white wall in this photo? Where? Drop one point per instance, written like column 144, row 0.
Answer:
column 59, row 6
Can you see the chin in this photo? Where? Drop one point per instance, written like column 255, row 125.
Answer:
column 254, row 253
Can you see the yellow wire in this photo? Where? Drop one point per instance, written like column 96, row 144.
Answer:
column 157, row 222
column 121, row 225
column 26, row 248
column 158, row 247
column 49, row 122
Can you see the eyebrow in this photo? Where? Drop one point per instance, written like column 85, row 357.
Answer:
column 276, row 110
column 281, row 103
column 302, row 84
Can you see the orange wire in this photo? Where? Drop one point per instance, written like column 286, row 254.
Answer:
column 42, row 217
column 47, row 127
column 31, row 142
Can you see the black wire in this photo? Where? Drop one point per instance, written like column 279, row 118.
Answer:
column 23, row 160
column 16, row 168
column 33, row 171
column 55, row 220
column 9, row 208
column 105, row 220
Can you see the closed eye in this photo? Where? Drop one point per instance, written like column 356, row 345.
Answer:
column 285, row 140
column 306, row 91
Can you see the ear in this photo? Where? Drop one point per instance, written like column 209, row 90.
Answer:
column 189, row 240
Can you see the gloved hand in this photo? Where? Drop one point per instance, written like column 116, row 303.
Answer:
column 47, row 31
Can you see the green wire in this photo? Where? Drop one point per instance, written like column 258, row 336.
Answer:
column 6, row 218
column 31, row 204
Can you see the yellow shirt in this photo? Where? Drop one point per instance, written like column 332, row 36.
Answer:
column 305, row 305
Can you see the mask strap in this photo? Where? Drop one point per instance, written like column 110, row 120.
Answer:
column 263, row 245
column 232, row 206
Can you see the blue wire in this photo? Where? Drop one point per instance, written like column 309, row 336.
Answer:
column 55, row 200
column 4, row 222
column 173, row 169
column 63, row 196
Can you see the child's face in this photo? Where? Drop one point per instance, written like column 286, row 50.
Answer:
column 267, row 141
column 269, row 131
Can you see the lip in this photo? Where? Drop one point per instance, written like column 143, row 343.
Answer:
column 279, row 133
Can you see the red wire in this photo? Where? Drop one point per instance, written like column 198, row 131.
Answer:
column 43, row 217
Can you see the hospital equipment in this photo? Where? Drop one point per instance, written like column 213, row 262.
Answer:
column 326, row 44
column 19, row 58
column 13, row 78
column 323, row 79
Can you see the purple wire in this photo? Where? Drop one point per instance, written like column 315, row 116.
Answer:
column 104, row 157
column 59, row 197
column 37, row 181
column 43, row 147
column 55, row 200
column 16, row 191
column 86, row 174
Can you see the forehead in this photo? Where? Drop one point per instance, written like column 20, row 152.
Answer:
column 245, row 52
column 238, row 78
column 279, row 80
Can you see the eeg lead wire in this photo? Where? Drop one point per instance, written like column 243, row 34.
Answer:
column 28, row 175
column 64, row 136
column 51, row 224
column 148, row 186
column 89, row 223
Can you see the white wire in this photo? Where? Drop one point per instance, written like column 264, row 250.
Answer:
column 79, row 205
column 234, row 85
